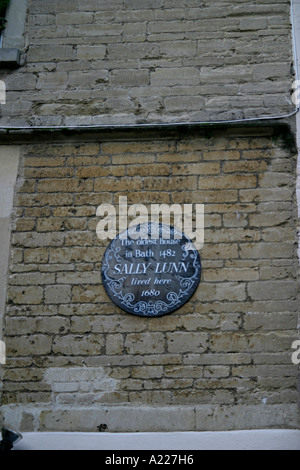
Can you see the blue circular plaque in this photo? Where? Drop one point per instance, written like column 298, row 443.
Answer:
column 151, row 269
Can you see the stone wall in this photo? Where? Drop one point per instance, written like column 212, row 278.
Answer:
column 76, row 362
column 133, row 61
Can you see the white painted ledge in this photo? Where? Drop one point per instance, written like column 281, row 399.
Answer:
column 274, row 439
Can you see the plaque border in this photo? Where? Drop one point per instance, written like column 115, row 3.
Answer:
column 150, row 308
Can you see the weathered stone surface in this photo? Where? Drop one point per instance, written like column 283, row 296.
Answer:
column 150, row 62
column 223, row 360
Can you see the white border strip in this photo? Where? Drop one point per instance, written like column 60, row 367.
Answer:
column 228, row 440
